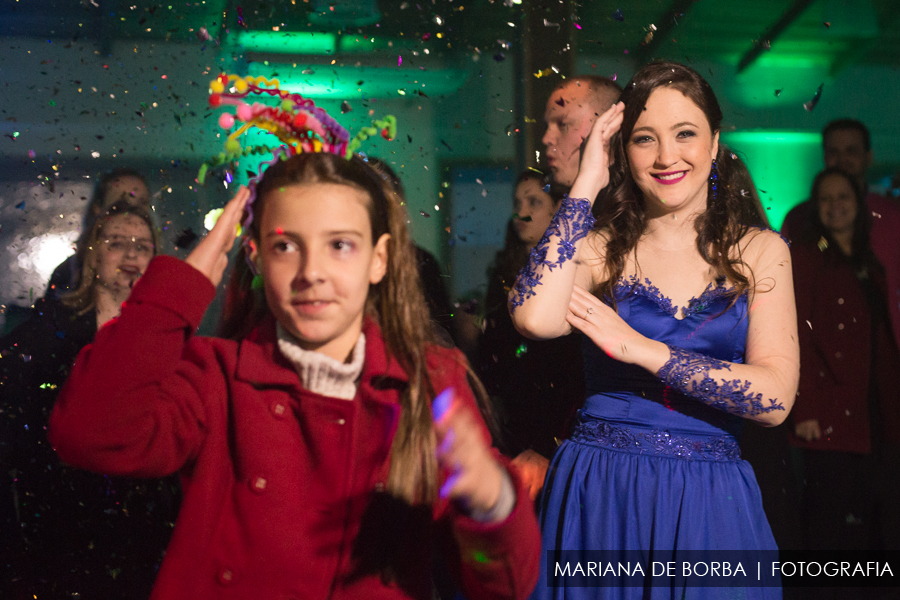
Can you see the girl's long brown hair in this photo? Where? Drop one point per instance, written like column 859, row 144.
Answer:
column 396, row 304
column 729, row 214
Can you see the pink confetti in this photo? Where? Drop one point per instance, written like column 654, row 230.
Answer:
column 399, row 60
column 577, row 26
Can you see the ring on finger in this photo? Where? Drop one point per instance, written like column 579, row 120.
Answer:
column 589, row 311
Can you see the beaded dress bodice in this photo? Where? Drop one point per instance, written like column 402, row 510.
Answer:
column 630, row 408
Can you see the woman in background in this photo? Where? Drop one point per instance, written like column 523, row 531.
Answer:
column 117, row 185
column 536, row 386
column 77, row 532
column 846, row 418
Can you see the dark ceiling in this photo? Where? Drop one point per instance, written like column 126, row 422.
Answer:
column 841, row 32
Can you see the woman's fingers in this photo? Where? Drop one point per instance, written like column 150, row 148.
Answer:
column 584, row 304
column 612, row 127
column 808, row 430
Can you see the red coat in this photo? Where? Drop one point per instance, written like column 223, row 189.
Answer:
column 836, row 345
column 884, row 240
column 281, row 485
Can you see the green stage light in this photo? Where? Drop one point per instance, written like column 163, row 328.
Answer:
column 329, row 81
column 278, row 42
column 316, row 43
column 783, row 165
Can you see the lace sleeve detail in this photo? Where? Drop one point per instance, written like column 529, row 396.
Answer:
column 689, row 373
column 571, row 223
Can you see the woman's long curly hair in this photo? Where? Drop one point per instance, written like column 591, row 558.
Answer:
column 396, row 304
column 730, row 214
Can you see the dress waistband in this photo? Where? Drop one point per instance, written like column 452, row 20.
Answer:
column 656, row 442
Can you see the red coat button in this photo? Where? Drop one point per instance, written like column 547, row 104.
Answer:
column 279, row 410
column 258, row 484
column 226, row 576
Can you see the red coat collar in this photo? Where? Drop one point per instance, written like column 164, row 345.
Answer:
column 260, row 362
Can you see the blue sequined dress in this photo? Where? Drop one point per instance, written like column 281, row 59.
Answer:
column 650, row 469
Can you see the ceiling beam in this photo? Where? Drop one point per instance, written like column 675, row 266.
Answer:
column 666, row 24
column 765, row 40
column 888, row 19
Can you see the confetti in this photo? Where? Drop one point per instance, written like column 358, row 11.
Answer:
column 345, row 107
column 209, row 221
column 778, row 92
column 399, row 60
column 815, row 100
column 618, row 16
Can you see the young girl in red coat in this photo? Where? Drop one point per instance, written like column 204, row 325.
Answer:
column 327, row 448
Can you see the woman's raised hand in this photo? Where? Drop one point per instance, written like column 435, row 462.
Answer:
column 593, row 170
column 210, row 257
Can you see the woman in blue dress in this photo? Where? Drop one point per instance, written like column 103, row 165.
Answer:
column 687, row 306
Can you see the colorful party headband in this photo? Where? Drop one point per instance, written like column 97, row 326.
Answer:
column 296, row 121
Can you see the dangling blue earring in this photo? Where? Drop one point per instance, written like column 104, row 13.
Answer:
column 714, row 180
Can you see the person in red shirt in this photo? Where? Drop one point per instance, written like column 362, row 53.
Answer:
column 327, row 447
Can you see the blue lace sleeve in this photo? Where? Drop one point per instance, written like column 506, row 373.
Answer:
column 571, row 223
column 688, row 373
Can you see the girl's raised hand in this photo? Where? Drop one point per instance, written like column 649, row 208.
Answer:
column 210, row 257
column 475, row 475
column 593, row 170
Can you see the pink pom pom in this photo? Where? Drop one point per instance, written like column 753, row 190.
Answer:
column 315, row 126
column 226, row 121
column 244, row 112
